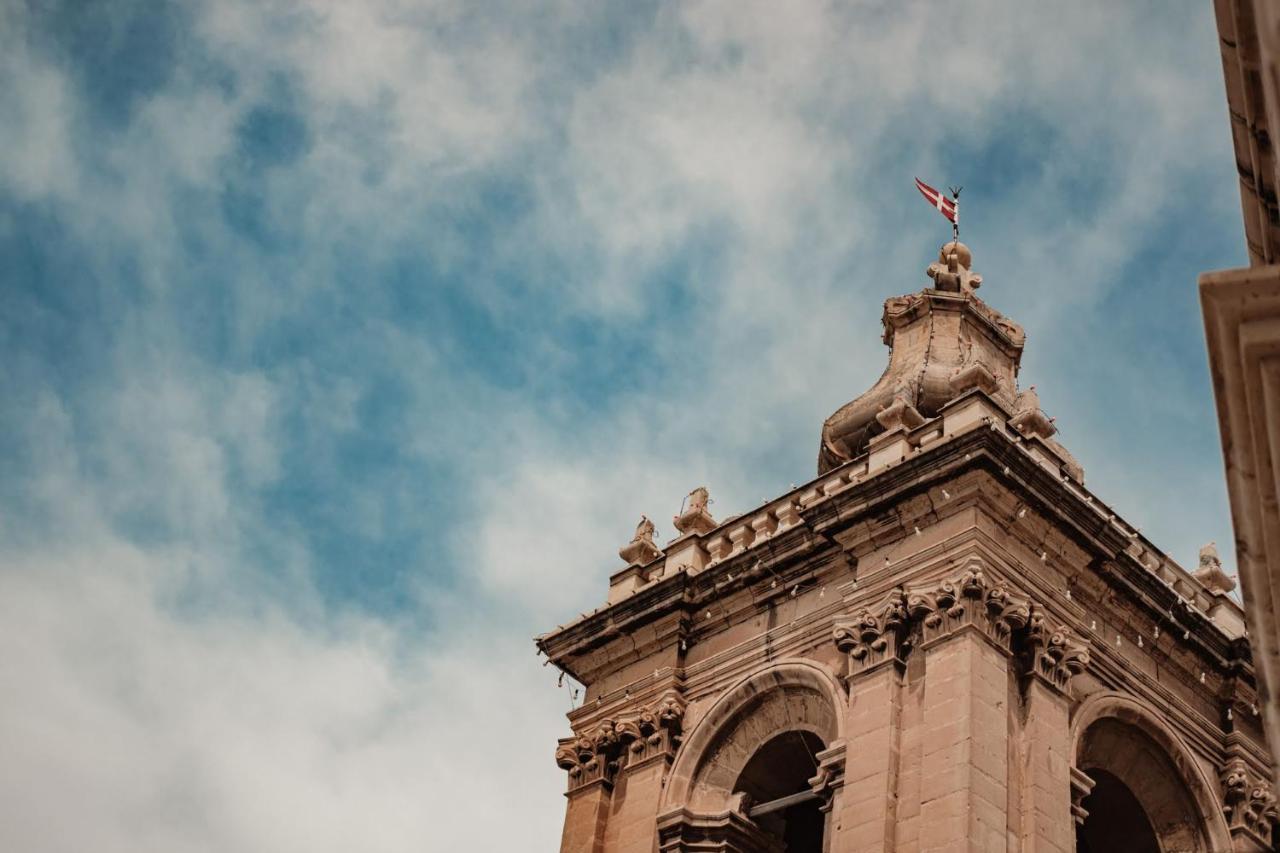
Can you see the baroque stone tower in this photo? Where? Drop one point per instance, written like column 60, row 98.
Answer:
column 945, row 642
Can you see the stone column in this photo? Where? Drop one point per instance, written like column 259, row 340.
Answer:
column 1047, row 821
column 967, row 626
column 864, row 808
column 648, row 748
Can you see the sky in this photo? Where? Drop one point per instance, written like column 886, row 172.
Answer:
column 342, row 344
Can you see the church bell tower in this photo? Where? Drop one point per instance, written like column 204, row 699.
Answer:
column 944, row 642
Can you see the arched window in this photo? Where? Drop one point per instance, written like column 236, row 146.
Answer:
column 1139, row 802
column 744, row 778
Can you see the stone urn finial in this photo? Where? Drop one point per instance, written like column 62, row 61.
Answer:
column 1210, row 571
column 641, row 550
column 694, row 516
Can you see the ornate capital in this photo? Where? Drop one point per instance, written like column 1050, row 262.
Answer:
column 970, row 599
column 873, row 635
column 585, row 761
column 1248, row 802
column 1054, row 656
column 600, row 752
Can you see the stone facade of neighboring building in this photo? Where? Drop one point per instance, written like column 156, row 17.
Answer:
column 945, row 642
column 1242, row 325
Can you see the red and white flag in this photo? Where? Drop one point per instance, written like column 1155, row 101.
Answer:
column 948, row 207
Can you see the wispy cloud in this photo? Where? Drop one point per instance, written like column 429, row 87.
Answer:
column 343, row 343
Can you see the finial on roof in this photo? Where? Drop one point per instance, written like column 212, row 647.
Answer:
column 943, row 342
column 694, row 516
column 951, row 272
column 1210, row 572
column 641, row 550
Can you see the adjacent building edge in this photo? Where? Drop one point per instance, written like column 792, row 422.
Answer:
column 1242, row 326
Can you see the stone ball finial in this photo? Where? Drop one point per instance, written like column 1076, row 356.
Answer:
column 963, row 255
column 951, row 273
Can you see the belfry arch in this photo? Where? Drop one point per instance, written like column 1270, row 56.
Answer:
column 757, row 760
column 1147, row 794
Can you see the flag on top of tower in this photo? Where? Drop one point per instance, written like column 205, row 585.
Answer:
column 948, row 207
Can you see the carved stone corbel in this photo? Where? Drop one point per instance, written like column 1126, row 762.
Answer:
column 1081, row 785
column 1249, row 803
column 1053, row 655
column 830, row 775
column 872, row 636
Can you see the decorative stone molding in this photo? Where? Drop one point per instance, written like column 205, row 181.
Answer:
column 1081, row 785
column 887, row 631
column 1053, row 655
column 1249, row 803
column 641, row 550
column 653, row 731
column 741, row 535
column 899, row 414
column 974, row 374
column 718, row 547
column 872, row 636
column 830, row 775
column 585, row 761
column 937, row 339
column 970, row 600
column 730, row 831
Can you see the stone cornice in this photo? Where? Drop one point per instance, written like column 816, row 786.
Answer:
column 1079, row 516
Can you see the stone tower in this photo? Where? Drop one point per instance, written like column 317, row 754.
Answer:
column 945, row 642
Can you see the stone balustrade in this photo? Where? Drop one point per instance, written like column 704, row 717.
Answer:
column 694, row 551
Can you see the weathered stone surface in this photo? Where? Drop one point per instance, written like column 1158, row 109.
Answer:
column 944, row 644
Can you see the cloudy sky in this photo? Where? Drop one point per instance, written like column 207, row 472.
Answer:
column 341, row 344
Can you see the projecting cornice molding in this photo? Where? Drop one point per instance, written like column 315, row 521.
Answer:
column 827, row 519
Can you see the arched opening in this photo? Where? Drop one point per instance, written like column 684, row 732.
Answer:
column 1140, row 802
column 776, row 780
column 742, row 777
column 1116, row 821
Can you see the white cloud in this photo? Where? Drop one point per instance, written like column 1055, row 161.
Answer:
column 195, row 692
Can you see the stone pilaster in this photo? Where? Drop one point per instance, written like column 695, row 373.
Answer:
column 968, row 624
column 864, row 812
column 648, row 744
column 591, row 762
